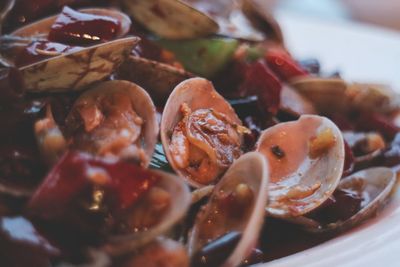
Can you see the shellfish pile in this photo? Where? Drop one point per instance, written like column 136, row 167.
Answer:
column 177, row 133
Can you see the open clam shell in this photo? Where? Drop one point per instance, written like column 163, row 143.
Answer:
column 42, row 27
column 246, row 181
column 157, row 78
column 171, row 19
column 197, row 93
column 306, row 159
column 373, row 185
column 141, row 104
column 180, row 201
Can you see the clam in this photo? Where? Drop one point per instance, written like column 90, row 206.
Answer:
column 294, row 103
column 158, row 78
column 114, row 118
column 12, row 44
column 327, row 94
column 373, row 97
column 259, row 14
column 371, row 188
column 200, row 132
column 171, row 19
column 74, row 71
column 79, row 67
column 246, row 20
column 306, row 159
column 236, row 209
column 162, row 207
column 336, row 95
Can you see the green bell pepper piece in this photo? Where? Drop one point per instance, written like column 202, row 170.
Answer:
column 204, row 57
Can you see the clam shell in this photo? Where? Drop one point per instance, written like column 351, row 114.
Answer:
column 377, row 183
column 197, row 93
column 74, row 71
column 310, row 180
column 171, row 19
column 327, row 94
column 157, row 78
column 294, row 103
column 181, row 198
column 373, row 97
column 42, row 27
column 262, row 18
column 231, row 19
column 335, row 95
column 142, row 104
column 250, row 169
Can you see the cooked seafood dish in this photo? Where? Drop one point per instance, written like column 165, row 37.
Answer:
column 178, row 133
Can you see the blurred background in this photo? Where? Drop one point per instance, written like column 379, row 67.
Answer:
column 385, row 13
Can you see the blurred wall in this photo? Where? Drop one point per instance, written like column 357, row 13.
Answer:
column 384, row 13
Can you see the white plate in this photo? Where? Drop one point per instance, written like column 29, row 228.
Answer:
column 360, row 53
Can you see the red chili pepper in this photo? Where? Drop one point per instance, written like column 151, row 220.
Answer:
column 75, row 173
column 284, row 66
column 260, row 81
column 76, row 28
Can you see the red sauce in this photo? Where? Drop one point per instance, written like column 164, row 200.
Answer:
column 73, row 27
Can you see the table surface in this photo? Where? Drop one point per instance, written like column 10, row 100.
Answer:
column 361, row 54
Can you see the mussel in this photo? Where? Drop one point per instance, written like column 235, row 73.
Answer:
column 306, row 159
column 200, row 132
column 114, row 118
column 227, row 227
